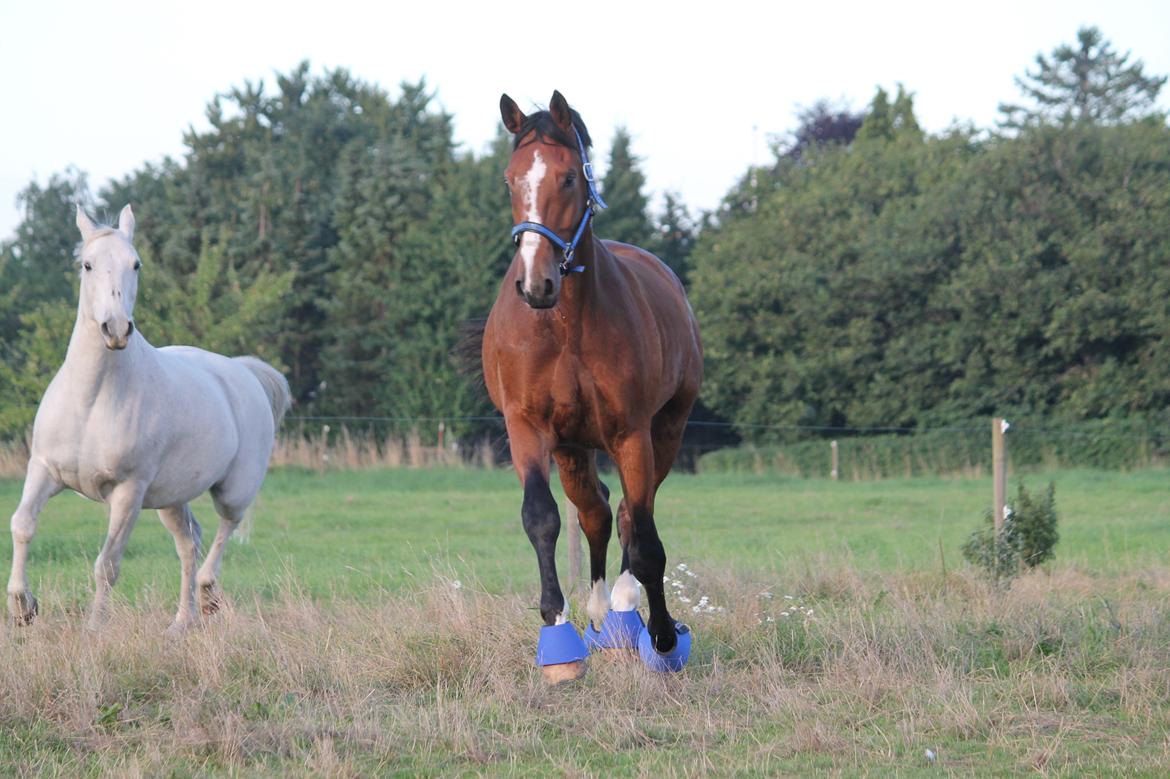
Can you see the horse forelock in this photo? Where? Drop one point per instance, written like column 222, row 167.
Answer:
column 100, row 232
column 542, row 125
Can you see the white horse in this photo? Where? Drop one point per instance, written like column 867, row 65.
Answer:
column 137, row 427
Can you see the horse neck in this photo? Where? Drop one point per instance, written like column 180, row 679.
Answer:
column 92, row 367
column 582, row 297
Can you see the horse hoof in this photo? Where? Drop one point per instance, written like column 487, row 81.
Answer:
column 619, row 630
column 668, row 662
column 177, row 629
column 23, row 608
column 561, row 653
column 563, row 672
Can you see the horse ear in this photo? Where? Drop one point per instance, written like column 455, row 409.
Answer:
column 511, row 114
column 85, row 224
column 126, row 222
column 561, row 113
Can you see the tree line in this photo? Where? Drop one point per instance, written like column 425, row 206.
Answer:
column 871, row 274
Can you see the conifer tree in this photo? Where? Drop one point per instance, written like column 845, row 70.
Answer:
column 1086, row 82
column 626, row 219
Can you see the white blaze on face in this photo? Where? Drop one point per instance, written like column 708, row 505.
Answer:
column 627, row 592
column 529, row 241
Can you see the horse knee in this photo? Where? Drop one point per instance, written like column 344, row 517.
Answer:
column 24, row 526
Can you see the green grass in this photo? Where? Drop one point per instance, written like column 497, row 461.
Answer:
column 349, row 652
column 351, row 534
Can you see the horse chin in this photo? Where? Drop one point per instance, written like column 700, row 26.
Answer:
column 116, row 344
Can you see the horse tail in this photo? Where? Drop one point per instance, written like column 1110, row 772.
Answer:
column 468, row 351
column 275, row 386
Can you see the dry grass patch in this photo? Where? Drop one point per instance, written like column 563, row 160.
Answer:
column 1064, row 673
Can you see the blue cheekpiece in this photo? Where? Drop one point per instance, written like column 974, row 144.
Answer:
column 560, row 644
column 619, row 630
column 674, row 660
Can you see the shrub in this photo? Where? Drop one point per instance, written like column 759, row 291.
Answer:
column 1028, row 537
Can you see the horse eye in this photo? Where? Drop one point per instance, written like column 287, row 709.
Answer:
column 137, row 264
column 87, row 266
column 569, row 181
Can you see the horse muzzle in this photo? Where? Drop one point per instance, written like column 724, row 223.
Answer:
column 116, row 341
column 544, row 296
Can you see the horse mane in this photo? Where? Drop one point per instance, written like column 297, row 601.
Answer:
column 547, row 129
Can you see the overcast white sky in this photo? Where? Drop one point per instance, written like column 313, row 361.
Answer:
column 107, row 87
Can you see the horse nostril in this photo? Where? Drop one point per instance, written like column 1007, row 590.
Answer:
column 130, row 329
column 519, row 288
column 548, row 288
column 106, row 330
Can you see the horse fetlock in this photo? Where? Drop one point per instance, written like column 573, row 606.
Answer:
column 554, row 609
column 22, row 607
column 210, row 598
column 598, row 606
column 627, row 592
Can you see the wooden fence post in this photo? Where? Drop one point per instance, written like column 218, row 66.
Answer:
column 574, row 545
column 836, row 463
column 999, row 426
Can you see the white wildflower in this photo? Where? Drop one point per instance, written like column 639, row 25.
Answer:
column 457, row 584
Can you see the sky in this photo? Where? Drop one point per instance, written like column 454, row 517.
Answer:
column 701, row 87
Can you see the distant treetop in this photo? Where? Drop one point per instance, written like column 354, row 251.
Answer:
column 1088, row 82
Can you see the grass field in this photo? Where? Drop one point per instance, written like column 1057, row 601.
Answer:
column 383, row 622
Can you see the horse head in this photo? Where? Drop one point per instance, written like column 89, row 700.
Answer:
column 109, row 277
column 553, row 196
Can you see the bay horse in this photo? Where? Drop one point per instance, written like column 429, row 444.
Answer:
column 134, row 427
column 590, row 346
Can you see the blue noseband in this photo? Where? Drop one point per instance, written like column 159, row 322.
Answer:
column 593, row 204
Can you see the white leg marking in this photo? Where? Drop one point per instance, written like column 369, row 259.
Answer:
column 627, row 592
column 563, row 617
column 598, row 605
column 529, row 242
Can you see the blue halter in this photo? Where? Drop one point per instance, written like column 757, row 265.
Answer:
column 593, row 204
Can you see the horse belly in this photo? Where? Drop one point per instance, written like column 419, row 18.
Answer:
column 194, row 462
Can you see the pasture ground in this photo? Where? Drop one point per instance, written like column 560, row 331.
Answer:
column 383, row 623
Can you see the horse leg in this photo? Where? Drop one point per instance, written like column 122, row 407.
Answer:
column 125, row 503
column 578, row 470
column 207, row 580
column 539, row 513
column 646, row 556
column 39, row 486
column 188, row 543
column 627, row 591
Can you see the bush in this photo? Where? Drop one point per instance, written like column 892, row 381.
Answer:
column 1028, row 537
